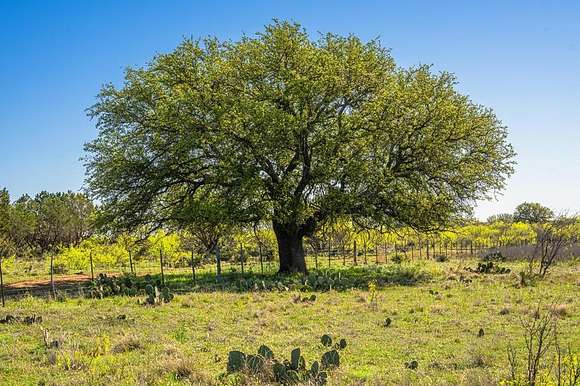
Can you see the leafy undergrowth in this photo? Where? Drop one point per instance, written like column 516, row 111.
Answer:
column 448, row 326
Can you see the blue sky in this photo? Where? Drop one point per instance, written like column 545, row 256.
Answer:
column 521, row 58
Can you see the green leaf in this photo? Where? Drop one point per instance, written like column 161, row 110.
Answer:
column 236, row 361
column 295, row 358
column 326, row 340
column 265, row 352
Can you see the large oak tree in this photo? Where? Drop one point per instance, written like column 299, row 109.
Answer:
column 282, row 128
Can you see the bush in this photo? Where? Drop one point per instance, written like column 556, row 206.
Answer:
column 399, row 258
column 489, row 268
column 496, row 256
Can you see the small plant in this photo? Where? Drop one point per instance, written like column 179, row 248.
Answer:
column 32, row 319
column 306, row 299
column 399, row 258
column 412, row 365
column 105, row 286
column 489, row 268
column 387, row 322
column 496, row 256
column 266, row 367
column 373, row 294
column 156, row 296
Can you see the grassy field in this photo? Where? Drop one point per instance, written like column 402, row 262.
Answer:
column 436, row 313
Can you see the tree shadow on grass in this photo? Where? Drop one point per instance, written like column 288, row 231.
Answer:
column 338, row 279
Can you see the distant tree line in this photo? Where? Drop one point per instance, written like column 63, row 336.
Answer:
column 45, row 222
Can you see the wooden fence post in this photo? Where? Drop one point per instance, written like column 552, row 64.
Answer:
column 52, row 276
column 355, row 253
column 262, row 258
column 193, row 268
column 131, row 262
column 328, row 253
column 92, row 269
column 242, row 257
column 161, row 265
column 343, row 255
column 2, row 284
column 218, row 258
column 365, row 249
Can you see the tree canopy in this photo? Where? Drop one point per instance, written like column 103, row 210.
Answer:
column 283, row 128
column 533, row 213
column 45, row 222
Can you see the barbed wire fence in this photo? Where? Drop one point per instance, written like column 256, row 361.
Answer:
column 263, row 261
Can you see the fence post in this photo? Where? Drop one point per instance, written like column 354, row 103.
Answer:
column 52, row 276
column 262, row 258
column 365, row 249
column 328, row 253
column 161, row 264
column 343, row 255
column 2, row 284
column 428, row 249
column 355, row 253
column 218, row 258
column 242, row 257
column 131, row 262
column 193, row 267
column 377, row 254
column 92, row 269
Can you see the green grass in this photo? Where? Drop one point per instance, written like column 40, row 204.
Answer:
column 188, row 340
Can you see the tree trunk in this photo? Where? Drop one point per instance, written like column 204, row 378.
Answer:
column 290, row 248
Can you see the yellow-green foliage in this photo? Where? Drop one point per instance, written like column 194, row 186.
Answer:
column 168, row 244
column 104, row 255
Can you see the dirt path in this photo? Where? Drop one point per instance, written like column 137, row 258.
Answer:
column 58, row 280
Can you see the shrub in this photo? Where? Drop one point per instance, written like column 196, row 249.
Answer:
column 489, row 268
column 264, row 366
column 399, row 258
column 496, row 256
